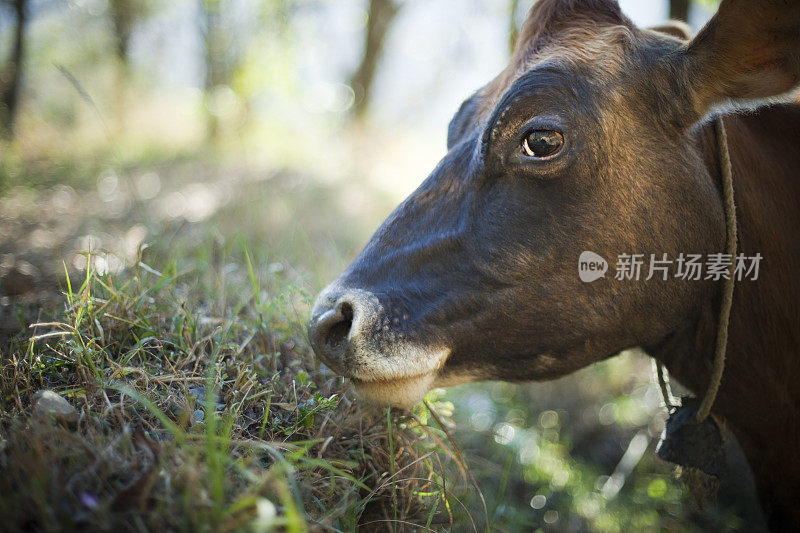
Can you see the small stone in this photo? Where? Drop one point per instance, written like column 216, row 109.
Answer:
column 198, row 392
column 199, row 415
column 48, row 405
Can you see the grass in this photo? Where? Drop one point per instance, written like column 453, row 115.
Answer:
column 202, row 414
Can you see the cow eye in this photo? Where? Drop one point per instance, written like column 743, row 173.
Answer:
column 542, row 143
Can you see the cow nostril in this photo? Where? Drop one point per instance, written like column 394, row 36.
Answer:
column 336, row 339
column 334, row 326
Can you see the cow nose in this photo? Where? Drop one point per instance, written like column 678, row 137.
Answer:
column 329, row 331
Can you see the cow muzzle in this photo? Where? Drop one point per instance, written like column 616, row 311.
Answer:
column 356, row 336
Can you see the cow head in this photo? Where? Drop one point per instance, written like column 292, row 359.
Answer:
column 587, row 141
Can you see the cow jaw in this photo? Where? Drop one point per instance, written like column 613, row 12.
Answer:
column 403, row 392
column 379, row 379
column 406, row 392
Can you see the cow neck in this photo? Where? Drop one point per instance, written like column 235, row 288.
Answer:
column 726, row 172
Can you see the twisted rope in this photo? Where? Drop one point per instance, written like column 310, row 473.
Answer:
column 727, row 296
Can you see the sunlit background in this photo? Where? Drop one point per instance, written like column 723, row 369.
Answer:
column 256, row 86
column 179, row 125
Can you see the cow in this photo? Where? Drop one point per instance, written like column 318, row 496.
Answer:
column 600, row 136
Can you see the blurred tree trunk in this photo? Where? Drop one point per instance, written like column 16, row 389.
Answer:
column 215, row 67
column 513, row 28
column 11, row 76
column 123, row 16
column 221, row 59
column 679, row 9
column 379, row 19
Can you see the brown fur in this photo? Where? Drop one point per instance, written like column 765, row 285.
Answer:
column 577, row 31
column 748, row 50
column 760, row 393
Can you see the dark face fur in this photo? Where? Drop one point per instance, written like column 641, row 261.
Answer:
column 475, row 275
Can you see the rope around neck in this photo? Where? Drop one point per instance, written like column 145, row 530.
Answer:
column 727, row 296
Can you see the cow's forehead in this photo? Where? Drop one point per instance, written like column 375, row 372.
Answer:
column 597, row 51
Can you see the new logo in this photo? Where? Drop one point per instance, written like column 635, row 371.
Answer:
column 591, row 266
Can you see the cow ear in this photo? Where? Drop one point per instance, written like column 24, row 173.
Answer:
column 749, row 50
column 674, row 28
column 463, row 121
